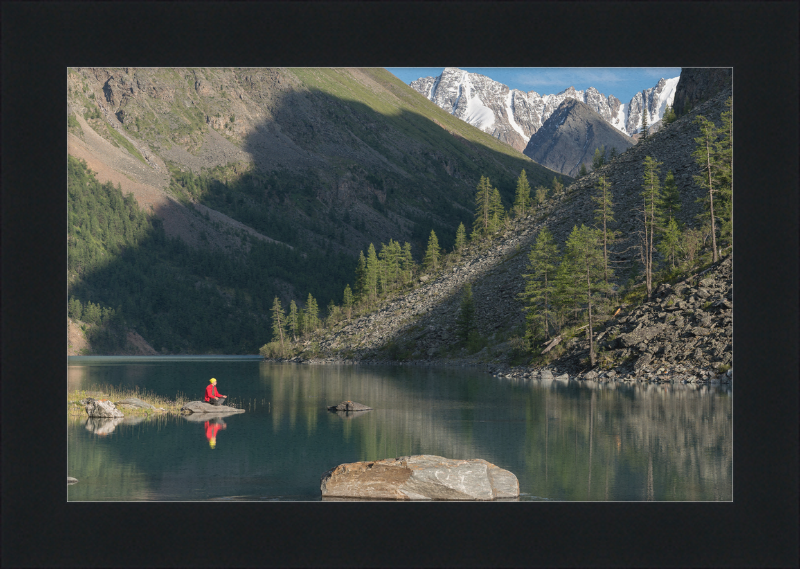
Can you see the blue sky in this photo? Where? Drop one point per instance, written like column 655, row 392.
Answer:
column 622, row 82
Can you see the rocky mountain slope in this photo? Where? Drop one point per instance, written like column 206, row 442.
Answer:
column 698, row 84
column 513, row 116
column 421, row 325
column 570, row 136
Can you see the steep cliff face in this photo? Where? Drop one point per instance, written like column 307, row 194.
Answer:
column 570, row 136
column 698, row 84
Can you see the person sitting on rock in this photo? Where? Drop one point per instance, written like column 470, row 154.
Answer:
column 213, row 396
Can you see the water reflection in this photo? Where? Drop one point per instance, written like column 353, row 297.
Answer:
column 102, row 426
column 212, row 427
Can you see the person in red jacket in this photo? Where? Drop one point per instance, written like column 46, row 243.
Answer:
column 213, row 396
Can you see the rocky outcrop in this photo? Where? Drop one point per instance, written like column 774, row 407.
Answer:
column 349, row 406
column 698, row 84
column 420, row 477
column 203, row 407
column 570, row 136
column 102, row 409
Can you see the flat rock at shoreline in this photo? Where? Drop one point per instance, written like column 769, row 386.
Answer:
column 203, row 407
column 134, row 402
column 349, row 406
column 420, row 477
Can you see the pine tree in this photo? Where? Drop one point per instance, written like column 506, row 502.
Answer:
column 407, row 262
column 311, row 314
column 583, row 247
column 603, row 215
column 558, row 187
column 582, row 172
column 522, row 199
column 599, row 159
column 669, row 116
column 466, row 315
column 361, row 277
column 669, row 245
column 483, row 210
column 672, row 199
column 371, row 278
column 706, row 157
column 347, row 301
column 461, row 238
column 652, row 216
column 498, row 212
column 644, row 118
column 291, row 320
column 278, row 323
column 431, row 261
column 540, row 284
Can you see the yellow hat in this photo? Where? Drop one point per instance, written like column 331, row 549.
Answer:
column 212, row 380
column 212, row 442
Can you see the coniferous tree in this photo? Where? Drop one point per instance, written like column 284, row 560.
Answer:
column 541, row 195
column 483, row 208
column 644, row 118
column 669, row 116
column 371, row 278
column 311, row 314
column 431, row 261
column 582, row 172
column 612, row 154
column 461, row 239
column 278, row 323
column 724, row 151
column 558, row 187
column 291, row 320
column 407, row 262
column 669, row 245
column 347, row 301
column 522, row 199
column 361, row 277
column 583, row 248
column 604, row 215
column 75, row 308
column 672, row 200
column 466, row 315
column 652, row 216
column 599, row 159
column 540, row 284
column 706, row 158
column 497, row 212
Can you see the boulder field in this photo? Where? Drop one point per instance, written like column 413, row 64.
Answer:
column 420, row 477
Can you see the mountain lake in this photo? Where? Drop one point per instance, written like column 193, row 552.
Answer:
column 565, row 441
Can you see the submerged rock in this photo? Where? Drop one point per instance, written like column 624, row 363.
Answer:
column 420, row 477
column 102, row 409
column 203, row 407
column 349, row 406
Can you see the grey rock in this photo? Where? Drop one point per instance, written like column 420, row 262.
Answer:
column 591, row 375
column 71, row 480
column 134, row 402
column 207, row 408
column 641, row 335
column 420, row 477
column 644, row 360
column 546, row 374
column 562, row 377
column 102, row 409
column 349, row 406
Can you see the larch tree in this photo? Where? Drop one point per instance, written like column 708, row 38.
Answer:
column 407, row 263
column 311, row 314
column 583, row 247
column 361, row 277
column 672, row 199
column 603, row 216
column 599, row 159
column 724, row 151
column 371, row 276
column 644, row 117
column 558, row 187
column 278, row 323
column 541, row 195
column 582, row 172
column 431, row 260
column 522, row 199
column 483, row 208
column 651, row 195
column 540, row 284
column 498, row 212
column 670, row 241
column 461, row 238
column 347, row 301
column 706, row 158
column 291, row 320
column 465, row 323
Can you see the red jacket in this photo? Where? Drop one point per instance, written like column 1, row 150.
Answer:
column 211, row 391
column 212, row 429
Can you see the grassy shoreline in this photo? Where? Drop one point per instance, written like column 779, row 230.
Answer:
column 161, row 404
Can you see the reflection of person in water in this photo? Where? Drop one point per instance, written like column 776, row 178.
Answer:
column 213, row 396
column 212, row 427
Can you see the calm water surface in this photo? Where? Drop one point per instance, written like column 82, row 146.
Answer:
column 564, row 441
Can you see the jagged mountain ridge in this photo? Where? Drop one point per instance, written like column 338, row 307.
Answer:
column 569, row 137
column 513, row 116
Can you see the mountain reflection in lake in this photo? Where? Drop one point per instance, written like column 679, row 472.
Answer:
column 563, row 440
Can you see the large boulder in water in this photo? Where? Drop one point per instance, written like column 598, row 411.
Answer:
column 102, row 409
column 349, row 406
column 203, row 407
column 420, row 477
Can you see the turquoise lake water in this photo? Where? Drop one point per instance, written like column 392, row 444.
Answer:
column 565, row 441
